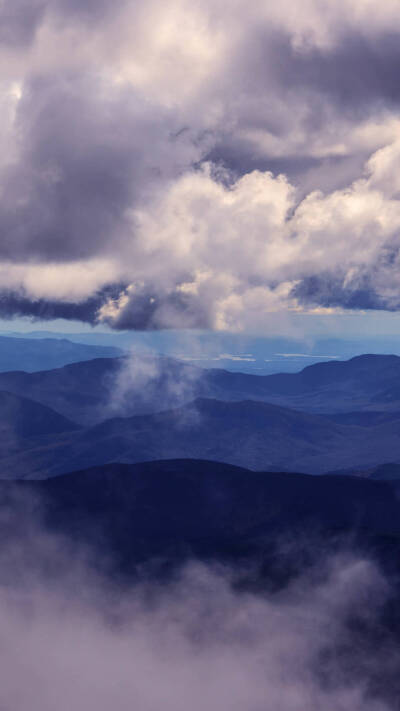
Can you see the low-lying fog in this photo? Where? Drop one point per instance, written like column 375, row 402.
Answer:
column 71, row 639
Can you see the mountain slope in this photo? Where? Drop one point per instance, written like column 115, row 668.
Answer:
column 92, row 391
column 25, row 418
column 80, row 391
column 256, row 435
column 45, row 353
column 367, row 382
column 25, row 424
column 190, row 507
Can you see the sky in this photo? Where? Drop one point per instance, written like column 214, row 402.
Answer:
column 171, row 164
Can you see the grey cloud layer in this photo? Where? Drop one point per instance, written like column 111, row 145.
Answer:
column 196, row 641
column 208, row 167
column 21, row 19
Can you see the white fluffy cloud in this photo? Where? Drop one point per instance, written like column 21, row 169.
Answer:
column 209, row 167
column 235, row 252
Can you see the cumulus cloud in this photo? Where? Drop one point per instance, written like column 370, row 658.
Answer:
column 240, row 249
column 179, row 166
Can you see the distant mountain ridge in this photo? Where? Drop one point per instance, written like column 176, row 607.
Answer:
column 26, row 418
column 85, row 392
column 46, row 353
column 25, row 423
column 264, row 355
column 142, row 409
column 256, row 435
column 362, row 383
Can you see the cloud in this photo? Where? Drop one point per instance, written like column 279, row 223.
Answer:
column 169, row 655
column 237, row 251
column 80, row 166
column 210, row 168
column 20, row 20
column 146, row 382
column 77, row 639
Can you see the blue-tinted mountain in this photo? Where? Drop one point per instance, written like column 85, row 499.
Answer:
column 91, row 391
column 251, row 434
column 158, row 422
column 81, row 391
column 26, row 418
column 201, row 508
column 368, row 382
column 43, row 354
column 388, row 471
column 235, row 351
column 25, row 423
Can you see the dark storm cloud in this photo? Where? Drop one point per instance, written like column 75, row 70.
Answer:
column 13, row 304
column 354, row 79
column 355, row 74
column 20, row 19
column 145, row 309
column 87, row 150
column 241, row 161
column 89, row 9
column 109, row 115
column 73, row 178
column 329, row 291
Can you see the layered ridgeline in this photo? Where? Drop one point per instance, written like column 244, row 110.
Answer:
column 109, row 540
column 25, row 423
column 89, row 392
column 251, row 434
column 45, row 353
column 185, row 412
column 187, row 508
column 110, row 517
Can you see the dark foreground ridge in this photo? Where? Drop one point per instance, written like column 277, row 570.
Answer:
column 180, row 509
column 142, row 523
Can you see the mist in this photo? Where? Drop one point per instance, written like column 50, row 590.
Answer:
column 147, row 382
column 71, row 637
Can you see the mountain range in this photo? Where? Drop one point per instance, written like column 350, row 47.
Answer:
column 181, row 509
column 135, row 466
column 133, row 410
column 43, row 354
column 250, row 434
column 91, row 391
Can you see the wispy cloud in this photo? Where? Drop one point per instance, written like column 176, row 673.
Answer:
column 71, row 638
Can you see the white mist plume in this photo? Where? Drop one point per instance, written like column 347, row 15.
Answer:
column 69, row 640
column 147, row 382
